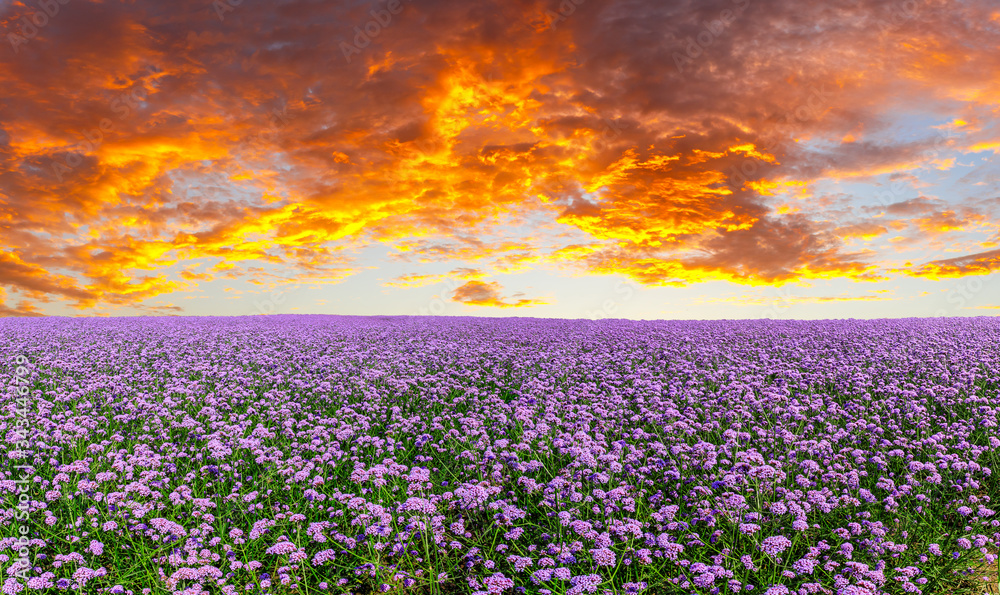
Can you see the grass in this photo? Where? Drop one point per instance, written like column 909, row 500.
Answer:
column 462, row 447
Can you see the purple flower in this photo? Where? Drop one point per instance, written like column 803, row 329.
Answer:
column 648, row 439
column 282, row 548
column 704, row 580
column 603, row 557
column 773, row 546
column 805, row 565
column 586, row 583
column 498, row 583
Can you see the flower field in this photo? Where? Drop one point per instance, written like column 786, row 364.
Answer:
column 321, row 454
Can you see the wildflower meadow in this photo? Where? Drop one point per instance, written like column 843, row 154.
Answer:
column 306, row 454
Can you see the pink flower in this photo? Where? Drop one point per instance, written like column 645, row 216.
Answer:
column 775, row 545
column 498, row 583
column 96, row 548
column 603, row 556
column 282, row 548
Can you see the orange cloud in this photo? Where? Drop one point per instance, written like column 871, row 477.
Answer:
column 864, row 231
column 137, row 141
column 418, row 280
column 31, row 278
column 982, row 263
column 945, row 221
column 478, row 293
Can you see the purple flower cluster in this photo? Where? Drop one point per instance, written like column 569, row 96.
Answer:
column 505, row 456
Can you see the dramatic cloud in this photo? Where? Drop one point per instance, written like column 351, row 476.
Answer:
column 972, row 264
column 673, row 143
column 477, row 293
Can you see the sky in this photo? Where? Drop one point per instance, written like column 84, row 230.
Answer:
column 647, row 159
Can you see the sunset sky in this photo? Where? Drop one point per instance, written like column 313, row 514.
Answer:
column 574, row 158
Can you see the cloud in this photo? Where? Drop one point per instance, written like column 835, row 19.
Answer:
column 420, row 280
column 24, row 307
column 478, row 293
column 771, row 251
column 982, row 263
column 32, row 278
column 864, row 231
column 136, row 139
column 913, row 206
column 945, row 221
